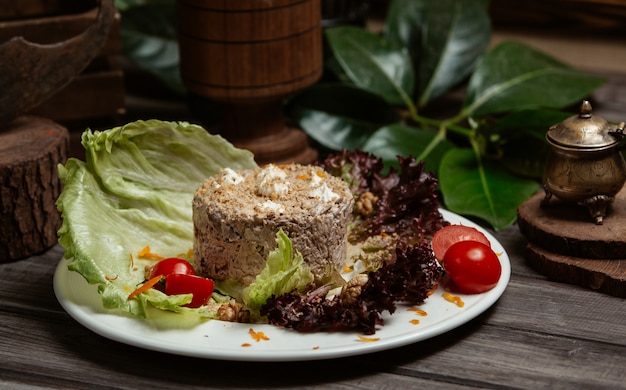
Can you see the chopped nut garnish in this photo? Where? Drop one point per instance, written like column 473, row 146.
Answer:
column 352, row 289
column 365, row 204
column 233, row 312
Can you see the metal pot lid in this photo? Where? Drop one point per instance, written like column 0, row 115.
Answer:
column 583, row 131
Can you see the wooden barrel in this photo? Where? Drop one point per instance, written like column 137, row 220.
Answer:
column 249, row 49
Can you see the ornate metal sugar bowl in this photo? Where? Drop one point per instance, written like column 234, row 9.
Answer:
column 584, row 164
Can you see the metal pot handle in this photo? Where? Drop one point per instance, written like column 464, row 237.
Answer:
column 619, row 133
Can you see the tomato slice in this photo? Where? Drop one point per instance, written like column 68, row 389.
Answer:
column 472, row 266
column 200, row 287
column 451, row 234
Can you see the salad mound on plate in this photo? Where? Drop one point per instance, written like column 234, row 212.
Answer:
column 135, row 189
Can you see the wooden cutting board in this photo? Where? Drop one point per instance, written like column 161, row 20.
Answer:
column 566, row 245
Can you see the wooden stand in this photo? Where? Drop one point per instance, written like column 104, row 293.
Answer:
column 94, row 95
column 249, row 56
column 30, row 150
column 565, row 245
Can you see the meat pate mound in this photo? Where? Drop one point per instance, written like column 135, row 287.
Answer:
column 237, row 215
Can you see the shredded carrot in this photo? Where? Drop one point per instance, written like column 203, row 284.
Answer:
column 246, row 345
column 415, row 322
column 419, row 312
column 454, row 299
column 126, row 288
column 145, row 287
column 258, row 336
column 316, row 347
column 145, row 253
column 383, row 234
column 132, row 261
column 320, row 174
column 368, row 339
column 347, row 268
column 110, row 278
column 302, row 177
column 432, row 290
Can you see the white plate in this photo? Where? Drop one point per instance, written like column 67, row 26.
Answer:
column 233, row 341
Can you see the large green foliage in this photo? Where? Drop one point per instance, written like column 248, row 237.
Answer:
column 385, row 82
column 489, row 154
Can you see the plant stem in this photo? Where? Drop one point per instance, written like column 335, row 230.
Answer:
column 448, row 124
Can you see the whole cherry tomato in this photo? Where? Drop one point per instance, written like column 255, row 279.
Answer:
column 472, row 266
column 171, row 265
column 200, row 287
column 448, row 235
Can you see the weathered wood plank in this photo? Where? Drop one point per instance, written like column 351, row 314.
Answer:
column 539, row 335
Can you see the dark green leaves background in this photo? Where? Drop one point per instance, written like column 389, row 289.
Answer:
column 488, row 154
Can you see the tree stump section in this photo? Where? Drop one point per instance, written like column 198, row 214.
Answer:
column 566, row 245
column 30, row 150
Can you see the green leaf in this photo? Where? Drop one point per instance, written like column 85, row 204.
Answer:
column 340, row 116
column 373, row 63
column 513, row 76
column 401, row 140
column 532, row 120
column 284, row 271
column 480, row 188
column 520, row 138
column 445, row 38
column 524, row 155
column 149, row 40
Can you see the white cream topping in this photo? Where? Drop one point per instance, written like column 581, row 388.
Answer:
column 272, row 206
column 271, row 181
column 323, row 193
column 229, row 176
column 316, row 180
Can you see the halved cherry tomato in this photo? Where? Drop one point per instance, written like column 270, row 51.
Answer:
column 200, row 287
column 472, row 266
column 448, row 235
column 171, row 265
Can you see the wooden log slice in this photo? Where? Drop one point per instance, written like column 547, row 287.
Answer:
column 568, row 229
column 30, row 150
column 607, row 276
column 567, row 246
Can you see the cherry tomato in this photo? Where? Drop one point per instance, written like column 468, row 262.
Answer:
column 472, row 266
column 446, row 236
column 200, row 287
column 171, row 265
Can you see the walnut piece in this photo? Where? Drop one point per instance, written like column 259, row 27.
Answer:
column 365, row 204
column 352, row 289
column 232, row 312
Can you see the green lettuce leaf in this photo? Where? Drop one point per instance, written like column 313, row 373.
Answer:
column 135, row 190
column 282, row 274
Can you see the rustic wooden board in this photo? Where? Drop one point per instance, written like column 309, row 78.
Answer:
column 30, row 150
column 566, row 245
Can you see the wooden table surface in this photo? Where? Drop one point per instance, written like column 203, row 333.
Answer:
column 540, row 334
